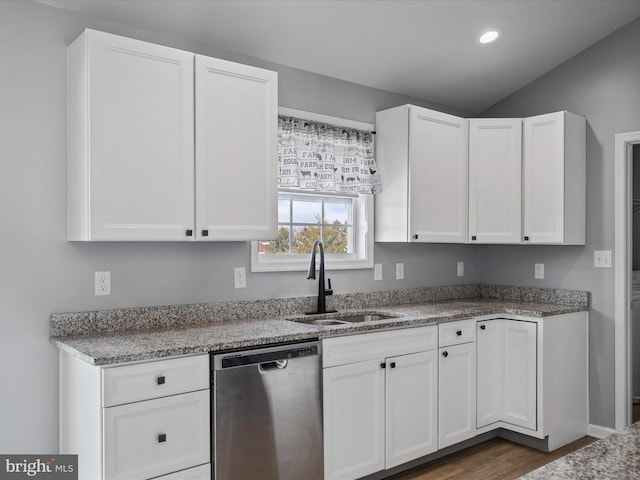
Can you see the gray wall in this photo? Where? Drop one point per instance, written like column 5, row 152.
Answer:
column 603, row 84
column 41, row 273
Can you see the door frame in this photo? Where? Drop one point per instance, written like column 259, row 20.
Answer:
column 623, row 189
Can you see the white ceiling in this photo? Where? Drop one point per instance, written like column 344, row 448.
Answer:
column 426, row 49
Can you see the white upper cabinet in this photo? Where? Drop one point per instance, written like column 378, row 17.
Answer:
column 130, row 165
column 554, row 174
column 140, row 168
column 422, row 159
column 495, row 185
column 236, row 148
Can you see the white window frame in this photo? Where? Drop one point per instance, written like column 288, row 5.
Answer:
column 363, row 220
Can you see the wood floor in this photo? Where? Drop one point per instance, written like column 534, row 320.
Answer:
column 495, row 459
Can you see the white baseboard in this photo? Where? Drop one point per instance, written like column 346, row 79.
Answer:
column 599, row 432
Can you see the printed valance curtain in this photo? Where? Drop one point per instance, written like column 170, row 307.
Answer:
column 319, row 157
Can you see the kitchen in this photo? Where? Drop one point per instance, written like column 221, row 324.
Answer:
column 42, row 273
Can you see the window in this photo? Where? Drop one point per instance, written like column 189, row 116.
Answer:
column 342, row 221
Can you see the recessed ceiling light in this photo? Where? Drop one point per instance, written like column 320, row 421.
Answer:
column 489, row 36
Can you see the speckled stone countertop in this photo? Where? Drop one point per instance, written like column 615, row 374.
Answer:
column 117, row 336
column 616, row 457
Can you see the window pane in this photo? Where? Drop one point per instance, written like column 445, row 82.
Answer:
column 337, row 211
column 336, row 239
column 284, row 212
column 281, row 245
column 307, row 210
column 303, row 238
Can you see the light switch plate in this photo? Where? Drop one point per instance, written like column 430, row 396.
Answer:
column 377, row 271
column 461, row 269
column 539, row 271
column 602, row 259
column 399, row 271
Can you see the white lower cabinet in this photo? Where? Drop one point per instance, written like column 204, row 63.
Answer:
column 120, row 431
column 507, row 367
column 411, row 407
column 354, row 420
column 533, row 376
column 151, row 438
column 456, row 383
column 380, row 409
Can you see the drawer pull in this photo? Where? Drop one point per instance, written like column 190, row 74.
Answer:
column 483, row 327
column 383, row 365
column 393, row 364
column 445, row 354
column 162, row 438
column 160, row 380
column 459, row 333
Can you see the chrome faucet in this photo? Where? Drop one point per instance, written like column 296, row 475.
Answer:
column 322, row 292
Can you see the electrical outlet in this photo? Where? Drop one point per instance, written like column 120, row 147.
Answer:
column 377, row 271
column 102, row 283
column 602, row 259
column 461, row 269
column 539, row 271
column 399, row 271
column 240, row 277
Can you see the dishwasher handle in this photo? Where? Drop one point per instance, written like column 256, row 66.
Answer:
column 268, row 366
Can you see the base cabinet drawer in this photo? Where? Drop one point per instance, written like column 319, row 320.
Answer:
column 156, row 437
column 161, row 378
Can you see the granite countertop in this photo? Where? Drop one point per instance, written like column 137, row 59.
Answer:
column 616, row 457
column 112, row 345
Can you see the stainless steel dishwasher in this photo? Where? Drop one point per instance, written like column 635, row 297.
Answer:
column 267, row 413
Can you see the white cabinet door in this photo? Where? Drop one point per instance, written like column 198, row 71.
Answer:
column 438, row 170
column 155, row 437
column 554, row 171
column 495, row 178
column 130, row 167
column 507, row 369
column 520, row 368
column 490, row 371
column 456, row 394
column 411, row 407
column 236, row 148
column 544, row 178
column 354, row 420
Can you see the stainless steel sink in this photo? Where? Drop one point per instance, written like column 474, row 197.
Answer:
column 366, row 317
column 326, row 322
column 342, row 319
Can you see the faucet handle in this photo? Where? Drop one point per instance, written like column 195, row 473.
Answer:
column 328, row 291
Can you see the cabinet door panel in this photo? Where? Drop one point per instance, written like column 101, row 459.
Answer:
column 141, row 139
column 495, row 169
column 544, row 182
column 353, row 397
column 520, row 360
column 134, row 447
column 411, row 406
column 457, row 394
column 236, row 164
column 438, row 207
column 490, row 388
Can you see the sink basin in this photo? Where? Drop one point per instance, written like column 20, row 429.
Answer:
column 366, row 317
column 323, row 322
column 344, row 319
